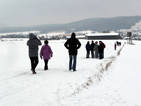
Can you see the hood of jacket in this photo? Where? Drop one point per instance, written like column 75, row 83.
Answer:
column 32, row 36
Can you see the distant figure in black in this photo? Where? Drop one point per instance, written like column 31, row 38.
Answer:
column 88, row 49
column 92, row 49
column 100, row 50
column 33, row 44
column 72, row 45
column 104, row 46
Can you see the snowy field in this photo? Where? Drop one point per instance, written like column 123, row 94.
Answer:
column 113, row 81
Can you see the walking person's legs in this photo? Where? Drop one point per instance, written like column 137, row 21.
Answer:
column 32, row 62
column 36, row 61
column 46, row 64
column 70, row 62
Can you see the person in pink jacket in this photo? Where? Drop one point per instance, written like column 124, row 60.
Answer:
column 46, row 52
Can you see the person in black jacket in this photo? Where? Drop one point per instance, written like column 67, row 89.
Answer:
column 88, row 49
column 33, row 44
column 92, row 49
column 103, row 48
column 72, row 45
column 100, row 50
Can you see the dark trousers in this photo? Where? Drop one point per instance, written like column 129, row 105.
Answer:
column 46, row 65
column 88, row 53
column 34, row 62
column 92, row 53
column 72, row 57
column 100, row 55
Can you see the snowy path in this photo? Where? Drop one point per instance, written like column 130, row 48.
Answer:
column 18, row 87
column 120, row 86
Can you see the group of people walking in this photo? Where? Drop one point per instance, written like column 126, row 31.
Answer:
column 95, row 49
column 72, row 44
column 45, row 52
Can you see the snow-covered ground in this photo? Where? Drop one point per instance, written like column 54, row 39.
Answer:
column 113, row 81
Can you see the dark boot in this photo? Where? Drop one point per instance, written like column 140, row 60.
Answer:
column 33, row 71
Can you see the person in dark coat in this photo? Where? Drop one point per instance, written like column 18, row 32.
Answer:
column 92, row 49
column 104, row 46
column 46, row 52
column 72, row 45
column 33, row 44
column 100, row 50
column 88, row 49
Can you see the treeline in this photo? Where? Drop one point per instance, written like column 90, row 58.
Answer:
column 52, row 38
column 17, row 36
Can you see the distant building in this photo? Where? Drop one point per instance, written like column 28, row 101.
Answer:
column 78, row 37
column 103, row 36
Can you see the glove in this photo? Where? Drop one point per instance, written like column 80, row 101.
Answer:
column 41, row 56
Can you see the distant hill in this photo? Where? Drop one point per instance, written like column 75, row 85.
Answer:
column 95, row 24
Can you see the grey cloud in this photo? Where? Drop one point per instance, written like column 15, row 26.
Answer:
column 36, row 12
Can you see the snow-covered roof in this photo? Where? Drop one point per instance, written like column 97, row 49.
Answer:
column 103, row 34
column 77, row 36
column 80, row 36
column 55, row 33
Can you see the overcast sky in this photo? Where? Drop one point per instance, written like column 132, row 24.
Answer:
column 37, row 12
